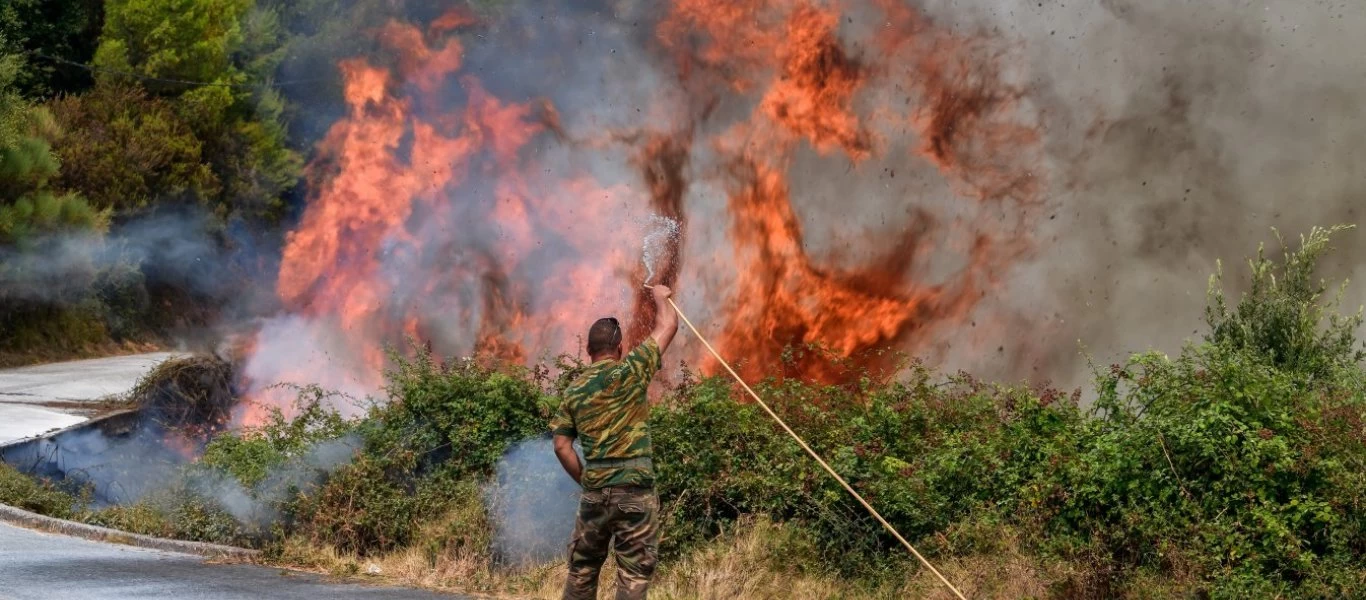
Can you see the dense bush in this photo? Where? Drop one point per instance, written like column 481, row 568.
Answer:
column 443, row 424
column 126, row 150
column 928, row 456
column 249, row 456
column 229, row 45
column 1219, row 464
column 29, row 204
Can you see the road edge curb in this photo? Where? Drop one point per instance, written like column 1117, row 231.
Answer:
column 32, row 520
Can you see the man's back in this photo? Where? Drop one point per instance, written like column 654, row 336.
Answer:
column 607, row 409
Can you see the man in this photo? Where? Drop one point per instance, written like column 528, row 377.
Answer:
column 606, row 409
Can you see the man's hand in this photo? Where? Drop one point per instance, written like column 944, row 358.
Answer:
column 666, row 319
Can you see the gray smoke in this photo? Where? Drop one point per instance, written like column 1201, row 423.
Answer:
column 532, row 504
column 215, row 273
column 116, row 470
column 1177, row 133
column 122, row 470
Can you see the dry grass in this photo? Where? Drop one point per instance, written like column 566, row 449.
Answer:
column 451, row 555
column 757, row 559
column 744, row 563
column 188, row 391
column 1007, row 573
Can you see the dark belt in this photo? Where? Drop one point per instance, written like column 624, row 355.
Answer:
column 640, row 462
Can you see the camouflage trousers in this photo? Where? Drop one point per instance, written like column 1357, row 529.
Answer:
column 626, row 519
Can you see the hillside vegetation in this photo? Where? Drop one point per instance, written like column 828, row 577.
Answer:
column 150, row 154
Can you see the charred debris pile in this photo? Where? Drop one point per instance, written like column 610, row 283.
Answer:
column 171, row 415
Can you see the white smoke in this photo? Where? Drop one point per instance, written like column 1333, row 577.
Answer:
column 533, row 504
column 260, row 504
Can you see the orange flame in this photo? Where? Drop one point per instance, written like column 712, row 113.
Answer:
column 815, row 85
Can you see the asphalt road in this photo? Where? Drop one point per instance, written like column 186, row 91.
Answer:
column 40, row 398
column 42, row 566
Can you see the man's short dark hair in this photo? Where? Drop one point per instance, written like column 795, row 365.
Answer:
column 604, row 336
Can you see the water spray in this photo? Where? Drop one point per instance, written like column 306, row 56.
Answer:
column 664, row 233
column 654, row 246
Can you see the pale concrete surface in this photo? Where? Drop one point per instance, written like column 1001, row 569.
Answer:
column 43, row 566
column 18, row 421
column 24, row 391
column 77, row 381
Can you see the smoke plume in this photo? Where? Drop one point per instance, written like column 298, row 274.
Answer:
column 211, row 274
column 1177, row 134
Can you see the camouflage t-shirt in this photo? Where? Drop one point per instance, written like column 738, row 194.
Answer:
column 606, row 409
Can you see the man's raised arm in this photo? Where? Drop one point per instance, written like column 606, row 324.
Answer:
column 666, row 319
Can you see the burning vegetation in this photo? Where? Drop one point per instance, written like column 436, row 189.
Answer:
column 483, row 218
column 838, row 178
column 1249, row 490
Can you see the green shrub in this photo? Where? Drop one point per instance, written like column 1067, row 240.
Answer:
column 1283, row 317
column 461, row 410
column 927, row 456
column 235, row 134
column 1240, row 459
column 249, row 455
column 42, row 497
column 443, row 423
column 1223, row 461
